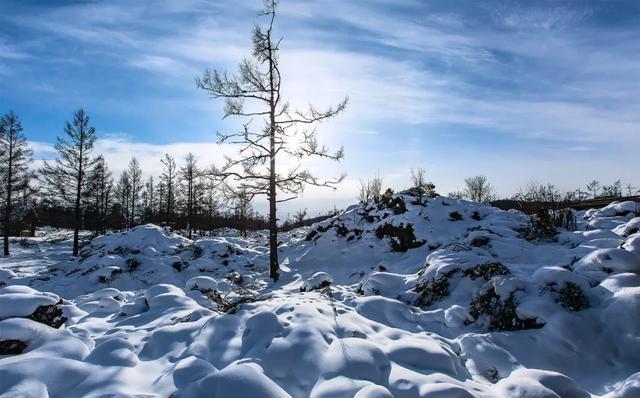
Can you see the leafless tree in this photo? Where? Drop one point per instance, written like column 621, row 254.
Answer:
column 299, row 216
column 189, row 174
column 67, row 175
column 240, row 199
column 370, row 189
column 593, row 187
column 285, row 132
column 630, row 189
column 168, row 186
column 135, row 176
column 479, row 189
column 15, row 157
column 101, row 191
column 420, row 186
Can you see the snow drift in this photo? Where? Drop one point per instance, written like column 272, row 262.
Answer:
column 413, row 297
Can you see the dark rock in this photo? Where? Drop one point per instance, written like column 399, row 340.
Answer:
column 51, row 315
column 455, row 216
column 12, row 347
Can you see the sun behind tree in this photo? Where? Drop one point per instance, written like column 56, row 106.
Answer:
column 286, row 132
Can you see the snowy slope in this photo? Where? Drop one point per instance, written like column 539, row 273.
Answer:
column 441, row 298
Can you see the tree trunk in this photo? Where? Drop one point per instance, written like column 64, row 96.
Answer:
column 273, row 221
column 7, row 209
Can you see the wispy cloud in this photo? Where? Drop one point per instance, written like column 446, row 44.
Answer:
column 543, row 75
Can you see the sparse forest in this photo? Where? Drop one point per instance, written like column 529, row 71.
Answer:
column 144, row 258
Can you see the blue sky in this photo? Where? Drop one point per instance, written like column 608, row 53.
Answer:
column 516, row 90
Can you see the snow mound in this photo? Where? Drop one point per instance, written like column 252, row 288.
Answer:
column 405, row 298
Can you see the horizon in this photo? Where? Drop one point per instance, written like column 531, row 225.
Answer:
column 517, row 92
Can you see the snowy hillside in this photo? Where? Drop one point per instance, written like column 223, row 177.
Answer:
column 432, row 298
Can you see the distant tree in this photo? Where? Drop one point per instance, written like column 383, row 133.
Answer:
column 581, row 195
column 168, row 181
column 299, row 216
column 149, row 199
column 15, row 157
column 613, row 190
column 135, row 178
column 67, row 174
column 479, row 189
column 370, row 189
column 240, row 198
column 593, row 187
column 101, row 192
column 285, row 133
column 123, row 193
column 189, row 175
column 456, row 195
column 420, row 186
column 630, row 189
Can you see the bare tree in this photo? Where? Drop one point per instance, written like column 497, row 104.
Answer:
column 299, row 216
column 285, row 132
column 479, row 189
column 15, row 157
column 123, row 193
column 630, row 189
column 189, row 174
column 240, row 199
column 420, row 186
column 370, row 189
column 593, row 187
column 149, row 199
column 67, row 175
column 168, row 185
column 135, row 176
column 101, row 191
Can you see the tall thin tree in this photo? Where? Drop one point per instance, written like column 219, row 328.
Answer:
column 101, row 192
column 67, row 174
column 168, row 180
column 285, row 132
column 15, row 156
column 189, row 174
column 135, row 177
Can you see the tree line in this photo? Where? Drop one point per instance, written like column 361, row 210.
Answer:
column 77, row 189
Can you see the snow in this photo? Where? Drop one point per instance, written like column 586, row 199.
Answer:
column 457, row 305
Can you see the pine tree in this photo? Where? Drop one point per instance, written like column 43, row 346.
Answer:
column 285, row 132
column 67, row 175
column 15, row 157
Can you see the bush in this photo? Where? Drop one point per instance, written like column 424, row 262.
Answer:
column 455, row 216
column 486, row 271
column 572, row 298
column 500, row 314
column 132, row 264
column 541, row 226
column 402, row 237
column 434, row 289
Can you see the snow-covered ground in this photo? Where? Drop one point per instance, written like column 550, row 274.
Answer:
column 437, row 299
